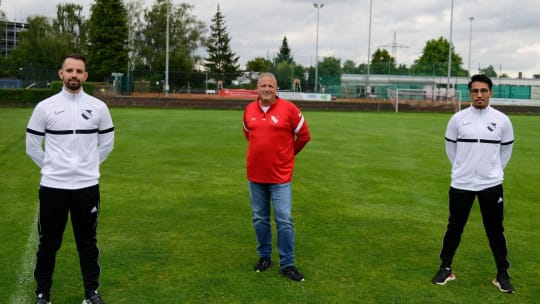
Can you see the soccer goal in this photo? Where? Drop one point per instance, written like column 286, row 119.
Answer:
column 424, row 98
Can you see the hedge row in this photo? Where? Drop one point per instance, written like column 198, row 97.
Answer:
column 26, row 97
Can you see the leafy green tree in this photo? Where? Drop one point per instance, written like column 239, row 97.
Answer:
column 349, row 67
column 135, row 25
column 285, row 69
column 40, row 46
column 284, row 72
column 434, row 60
column 186, row 35
column 402, row 69
column 222, row 62
column 284, row 54
column 39, row 52
column 69, row 22
column 259, row 64
column 382, row 62
column 489, row 71
column 330, row 71
column 108, row 38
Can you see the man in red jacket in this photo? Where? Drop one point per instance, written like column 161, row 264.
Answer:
column 276, row 131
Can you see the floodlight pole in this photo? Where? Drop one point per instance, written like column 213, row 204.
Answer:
column 369, row 47
column 470, row 44
column 318, row 7
column 450, row 50
column 166, row 86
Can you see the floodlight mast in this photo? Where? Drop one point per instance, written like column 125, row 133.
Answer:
column 450, row 50
column 166, row 85
column 470, row 44
column 369, row 48
column 318, row 7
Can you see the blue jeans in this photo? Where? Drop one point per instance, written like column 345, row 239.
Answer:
column 280, row 196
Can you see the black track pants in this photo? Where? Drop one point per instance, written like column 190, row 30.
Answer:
column 491, row 202
column 54, row 207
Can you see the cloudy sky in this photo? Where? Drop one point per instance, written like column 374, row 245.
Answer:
column 504, row 33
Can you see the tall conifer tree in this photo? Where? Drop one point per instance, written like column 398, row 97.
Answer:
column 108, row 35
column 222, row 62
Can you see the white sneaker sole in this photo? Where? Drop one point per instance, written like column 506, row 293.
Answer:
column 498, row 285
column 451, row 277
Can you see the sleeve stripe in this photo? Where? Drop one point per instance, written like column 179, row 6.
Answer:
column 300, row 124
column 507, row 143
column 450, row 140
column 28, row 130
column 106, row 131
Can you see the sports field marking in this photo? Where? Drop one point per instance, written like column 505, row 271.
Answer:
column 27, row 264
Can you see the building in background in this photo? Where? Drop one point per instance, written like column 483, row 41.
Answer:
column 9, row 33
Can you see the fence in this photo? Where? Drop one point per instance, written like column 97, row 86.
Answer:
column 357, row 85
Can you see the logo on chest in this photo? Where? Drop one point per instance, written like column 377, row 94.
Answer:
column 86, row 114
column 274, row 119
column 492, row 126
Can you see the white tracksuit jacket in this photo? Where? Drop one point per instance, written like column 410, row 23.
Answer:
column 79, row 134
column 479, row 145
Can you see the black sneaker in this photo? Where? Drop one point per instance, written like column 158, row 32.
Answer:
column 502, row 281
column 42, row 299
column 292, row 273
column 444, row 275
column 263, row 264
column 94, row 299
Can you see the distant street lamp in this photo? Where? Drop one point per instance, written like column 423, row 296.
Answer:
column 450, row 49
column 369, row 48
column 166, row 86
column 470, row 43
column 318, row 7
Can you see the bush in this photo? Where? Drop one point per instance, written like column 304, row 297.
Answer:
column 56, row 86
column 22, row 97
column 30, row 97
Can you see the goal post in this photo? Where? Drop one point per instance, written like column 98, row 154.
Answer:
column 423, row 98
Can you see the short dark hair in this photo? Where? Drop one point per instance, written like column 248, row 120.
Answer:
column 76, row 57
column 481, row 78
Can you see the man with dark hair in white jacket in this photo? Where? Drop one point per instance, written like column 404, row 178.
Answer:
column 78, row 133
column 479, row 142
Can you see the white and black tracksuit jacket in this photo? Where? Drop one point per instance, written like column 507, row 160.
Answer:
column 79, row 134
column 479, row 146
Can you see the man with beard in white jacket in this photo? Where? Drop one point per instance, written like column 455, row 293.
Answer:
column 79, row 134
column 479, row 142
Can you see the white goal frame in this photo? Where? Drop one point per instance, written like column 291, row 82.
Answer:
column 425, row 97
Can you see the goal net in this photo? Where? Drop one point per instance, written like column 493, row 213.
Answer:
column 424, row 98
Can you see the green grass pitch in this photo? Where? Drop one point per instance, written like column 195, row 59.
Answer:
column 369, row 206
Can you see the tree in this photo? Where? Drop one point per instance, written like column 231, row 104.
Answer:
column 108, row 38
column 40, row 45
column 434, row 59
column 284, row 54
column 382, row 62
column 222, row 62
column 134, row 21
column 489, row 71
column 259, row 64
column 284, row 72
column 186, row 35
column 330, row 72
column 349, row 67
column 69, row 22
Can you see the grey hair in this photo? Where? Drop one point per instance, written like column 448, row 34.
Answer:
column 266, row 74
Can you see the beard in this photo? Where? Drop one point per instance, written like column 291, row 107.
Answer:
column 73, row 84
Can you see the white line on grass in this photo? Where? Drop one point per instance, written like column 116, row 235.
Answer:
column 27, row 264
